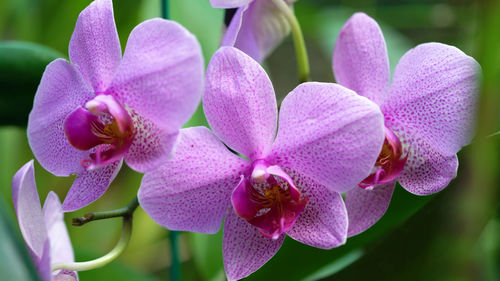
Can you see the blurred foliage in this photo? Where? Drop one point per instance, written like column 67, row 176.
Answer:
column 455, row 237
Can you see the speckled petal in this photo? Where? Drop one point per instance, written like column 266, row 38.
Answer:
column 229, row 3
column 244, row 248
column 161, row 74
column 330, row 134
column 152, row 145
column 95, row 46
column 366, row 207
column 432, row 107
column 360, row 60
column 90, row 185
column 257, row 29
column 28, row 210
column 61, row 91
column 60, row 244
column 239, row 103
column 323, row 223
column 192, row 190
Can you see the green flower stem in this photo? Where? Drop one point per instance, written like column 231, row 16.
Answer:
column 123, row 212
column 298, row 40
column 175, row 272
column 164, row 9
column 104, row 260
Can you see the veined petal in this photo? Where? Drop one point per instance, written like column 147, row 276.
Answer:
column 239, row 103
column 60, row 244
column 151, row 146
column 229, row 3
column 323, row 223
column 61, row 91
column 89, row 185
column 244, row 248
column 161, row 74
column 257, row 29
column 366, row 207
column 330, row 134
column 360, row 60
column 433, row 97
column 28, row 211
column 192, row 190
column 95, row 46
column 432, row 106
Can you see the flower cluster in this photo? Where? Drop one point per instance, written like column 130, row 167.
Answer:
column 321, row 169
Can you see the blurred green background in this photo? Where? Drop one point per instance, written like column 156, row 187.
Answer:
column 453, row 235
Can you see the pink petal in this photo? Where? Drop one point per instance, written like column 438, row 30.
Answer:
column 151, row 145
column 28, row 211
column 78, row 129
column 366, row 207
column 161, row 74
column 192, row 190
column 90, row 185
column 61, row 91
column 323, row 223
column 244, row 248
column 229, row 3
column 239, row 103
column 60, row 244
column 360, row 60
column 95, row 46
column 257, row 29
column 330, row 134
column 432, row 107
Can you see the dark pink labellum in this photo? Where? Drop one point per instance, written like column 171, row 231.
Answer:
column 390, row 162
column 268, row 200
column 103, row 124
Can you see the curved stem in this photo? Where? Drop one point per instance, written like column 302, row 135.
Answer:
column 104, row 260
column 93, row 216
column 298, row 40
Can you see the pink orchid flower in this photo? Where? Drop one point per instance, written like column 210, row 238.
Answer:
column 429, row 112
column 91, row 113
column 44, row 231
column 327, row 141
column 257, row 27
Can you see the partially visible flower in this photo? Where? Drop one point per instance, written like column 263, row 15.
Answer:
column 429, row 112
column 90, row 114
column 327, row 141
column 257, row 27
column 44, row 231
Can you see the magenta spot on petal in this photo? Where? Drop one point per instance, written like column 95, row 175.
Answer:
column 390, row 162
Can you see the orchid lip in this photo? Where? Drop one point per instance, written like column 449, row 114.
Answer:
column 389, row 164
column 104, row 125
column 268, row 200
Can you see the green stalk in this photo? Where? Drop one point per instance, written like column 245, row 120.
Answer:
column 175, row 267
column 298, row 40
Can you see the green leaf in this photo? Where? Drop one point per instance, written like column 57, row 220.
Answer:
column 21, row 67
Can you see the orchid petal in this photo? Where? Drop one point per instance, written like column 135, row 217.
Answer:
column 229, row 3
column 239, row 103
column 161, row 75
column 244, row 248
column 151, row 146
column 60, row 244
column 90, row 185
column 78, row 129
column 61, row 91
column 192, row 190
column 366, row 207
column 360, row 60
column 95, row 46
column 432, row 107
column 66, row 275
column 28, row 210
column 323, row 223
column 330, row 134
